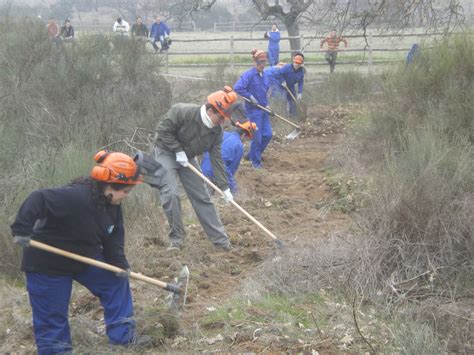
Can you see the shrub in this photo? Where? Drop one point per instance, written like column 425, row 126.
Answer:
column 419, row 226
column 343, row 87
column 437, row 89
column 60, row 103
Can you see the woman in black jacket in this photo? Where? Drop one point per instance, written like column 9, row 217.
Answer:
column 85, row 218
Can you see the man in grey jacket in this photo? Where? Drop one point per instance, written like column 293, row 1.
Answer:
column 188, row 130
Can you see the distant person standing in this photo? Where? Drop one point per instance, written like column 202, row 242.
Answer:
column 160, row 32
column 121, row 27
column 332, row 41
column 415, row 48
column 53, row 31
column 139, row 29
column 67, row 31
column 273, row 45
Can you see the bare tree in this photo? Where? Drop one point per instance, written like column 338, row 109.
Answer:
column 179, row 9
column 358, row 15
column 288, row 12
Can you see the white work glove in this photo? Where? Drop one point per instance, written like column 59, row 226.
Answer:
column 228, row 196
column 182, row 158
column 299, row 97
column 253, row 100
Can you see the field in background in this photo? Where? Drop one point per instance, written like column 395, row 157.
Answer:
column 210, row 49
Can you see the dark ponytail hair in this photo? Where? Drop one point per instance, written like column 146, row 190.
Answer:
column 97, row 189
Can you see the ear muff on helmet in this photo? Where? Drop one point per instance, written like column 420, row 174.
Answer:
column 101, row 155
column 247, row 128
column 223, row 100
column 115, row 167
column 100, row 173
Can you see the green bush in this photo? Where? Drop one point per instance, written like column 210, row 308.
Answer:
column 342, row 88
column 437, row 88
column 61, row 103
column 419, row 225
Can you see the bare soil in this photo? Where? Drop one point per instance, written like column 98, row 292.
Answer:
column 289, row 196
column 285, row 196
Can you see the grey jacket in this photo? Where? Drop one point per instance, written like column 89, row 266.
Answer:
column 182, row 129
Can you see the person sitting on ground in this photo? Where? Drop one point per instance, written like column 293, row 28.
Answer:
column 160, row 32
column 84, row 218
column 121, row 27
column 185, row 132
column 139, row 29
column 232, row 152
column 253, row 85
column 332, row 41
column 67, row 31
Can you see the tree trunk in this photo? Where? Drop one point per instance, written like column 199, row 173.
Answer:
column 293, row 30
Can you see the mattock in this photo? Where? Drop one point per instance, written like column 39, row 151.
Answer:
column 179, row 290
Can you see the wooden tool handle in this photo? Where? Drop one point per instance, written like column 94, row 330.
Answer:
column 273, row 113
column 210, row 183
column 96, row 263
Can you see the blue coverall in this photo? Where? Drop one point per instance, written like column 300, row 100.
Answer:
column 275, row 80
column 232, row 152
column 292, row 77
column 273, row 47
column 158, row 33
column 251, row 83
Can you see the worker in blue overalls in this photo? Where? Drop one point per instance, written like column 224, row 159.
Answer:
column 292, row 74
column 253, row 85
column 232, row 151
column 275, row 80
column 273, row 45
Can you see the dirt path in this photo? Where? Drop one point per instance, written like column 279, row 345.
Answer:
column 289, row 196
column 286, row 196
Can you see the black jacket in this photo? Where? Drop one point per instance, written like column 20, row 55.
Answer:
column 67, row 32
column 69, row 218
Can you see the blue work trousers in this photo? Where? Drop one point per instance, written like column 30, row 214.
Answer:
column 261, row 137
column 292, row 105
column 49, row 298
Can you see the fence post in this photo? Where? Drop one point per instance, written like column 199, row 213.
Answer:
column 301, row 42
column 370, row 54
column 215, row 25
column 232, row 53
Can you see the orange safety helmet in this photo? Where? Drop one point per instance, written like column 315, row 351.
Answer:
column 298, row 58
column 248, row 128
column 115, row 167
column 223, row 100
column 258, row 54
